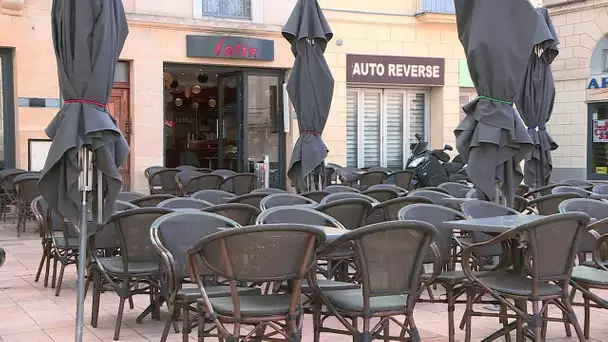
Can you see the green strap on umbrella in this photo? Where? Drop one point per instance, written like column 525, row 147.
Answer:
column 495, row 100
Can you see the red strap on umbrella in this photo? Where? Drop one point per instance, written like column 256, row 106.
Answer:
column 86, row 101
column 310, row 132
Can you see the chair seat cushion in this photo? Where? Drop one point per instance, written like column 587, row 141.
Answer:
column 192, row 293
column 591, row 263
column 325, row 285
column 253, row 306
column 73, row 243
column 517, row 285
column 590, row 275
column 352, row 300
column 453, row 277
column 114, row 265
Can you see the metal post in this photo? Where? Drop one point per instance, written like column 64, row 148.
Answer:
column 266, row 171
column 84, row 185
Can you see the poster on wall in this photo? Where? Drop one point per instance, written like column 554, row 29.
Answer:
column 38, row 150
column 600, row 131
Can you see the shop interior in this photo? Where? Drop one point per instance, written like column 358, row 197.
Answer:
column 204, row 119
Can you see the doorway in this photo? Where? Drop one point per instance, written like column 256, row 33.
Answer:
column 7, row 110
column 597, row 144
column 225, row 118
column 120, row 108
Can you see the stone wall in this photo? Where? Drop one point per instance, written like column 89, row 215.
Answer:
column 579, row 27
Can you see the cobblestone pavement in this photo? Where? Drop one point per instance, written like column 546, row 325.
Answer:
column 31, row 312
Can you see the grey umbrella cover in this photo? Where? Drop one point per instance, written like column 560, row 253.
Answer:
column 535, row 102
column 310, row 86
column 498, row 37
column 88, row 36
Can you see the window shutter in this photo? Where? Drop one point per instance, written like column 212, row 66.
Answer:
column 371, row 126
column 417, row 116
column 352, row 115
column 394, row 130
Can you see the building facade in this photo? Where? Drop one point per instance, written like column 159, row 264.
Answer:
column 579, row 121
column 202, row 81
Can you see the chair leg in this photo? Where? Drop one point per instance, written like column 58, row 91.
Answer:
column 96, row 298
column 505, row 322
column 42, row 260
column 387, row 333
column 572, row 318
column 60, row 280
column 587, row 306
column 468, row 314
column 54, row 281
column 317, row 323
column 537, row 328
column 186, row 328
column 121, row 308
column 131, row 305
column 47, row 271
column 451, row 307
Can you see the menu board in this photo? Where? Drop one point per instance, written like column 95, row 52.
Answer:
column 38, row 150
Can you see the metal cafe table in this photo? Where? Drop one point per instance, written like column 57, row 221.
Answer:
column 495, row 226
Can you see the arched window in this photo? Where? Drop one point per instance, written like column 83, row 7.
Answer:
column 599, row 58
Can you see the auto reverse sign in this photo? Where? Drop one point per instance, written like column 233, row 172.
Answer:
column 395, row 70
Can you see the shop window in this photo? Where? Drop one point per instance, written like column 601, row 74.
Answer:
column 599, row 139
column 381, row 124
column 240, row 9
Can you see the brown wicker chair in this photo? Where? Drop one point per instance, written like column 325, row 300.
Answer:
column 239, row 184
column 165, row 178
column 458, row 190
column 350, row 212
column 6, row 180
column 346, row 195
column 592, row 277
column 402, row 179
column 449, row 278
column 316, row 196
column 254, row 254
column 571, row 189
column 253, row 199
column 389, row 210
column 396, row 250
column 25, row 190
column 184, row 203
column 213, row 196
column 368, row 179
column 172, row 235
column 285, row 199
column 128, row 196
column 39, row 209
column 340, row 188
column 381, row 195
column 190, row 182
column 549, row 246
column 542, row 191
column 243, row 214
column 549, row 204
column 138, row 263
column 151, row 200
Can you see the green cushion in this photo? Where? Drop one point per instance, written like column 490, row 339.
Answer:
column 114, row 265
column 590, row 275
column 73, row 243
column 452, row 277
column 256, row 306
column 352, row 300
column 517, row 285
column 193, row 293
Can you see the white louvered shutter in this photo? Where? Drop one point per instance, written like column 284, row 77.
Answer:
column 371, row 127
column 394, row 130
column 352, row 117
column 417, row 115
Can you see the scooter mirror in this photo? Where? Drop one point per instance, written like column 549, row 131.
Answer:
column 417, row 136
column 448, row 148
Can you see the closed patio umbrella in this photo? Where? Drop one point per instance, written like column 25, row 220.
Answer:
column 88, row 36
column 310, row 87
column 535, row 102
column 498, row 37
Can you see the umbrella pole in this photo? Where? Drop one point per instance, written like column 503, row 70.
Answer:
column 84, row 185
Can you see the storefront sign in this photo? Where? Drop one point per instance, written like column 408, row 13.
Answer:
column 598, row 83
column 395, row 70
column 230, row 47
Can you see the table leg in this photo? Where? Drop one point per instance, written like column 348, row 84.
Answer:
column 150, row 309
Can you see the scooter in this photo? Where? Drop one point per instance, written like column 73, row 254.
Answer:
column 427, row 164
column 457, row 170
